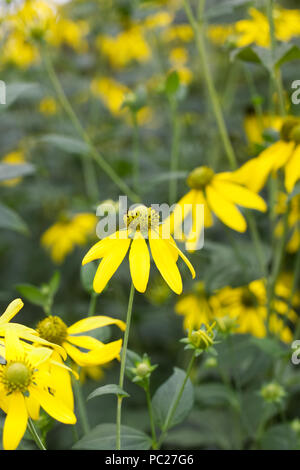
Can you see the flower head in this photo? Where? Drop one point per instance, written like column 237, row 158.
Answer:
column 141, row 223
column 54, row 329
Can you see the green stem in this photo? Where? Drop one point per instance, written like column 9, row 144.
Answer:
column 81, row 406
column 275, row 72
column 176, row 402
column 174, row 151
column 35, row 435
column 136, row 152
column 93, row 152
column 200, row 44
column 93, row 303
column 122, row 369
column 150, row 411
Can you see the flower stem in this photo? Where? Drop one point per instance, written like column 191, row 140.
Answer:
column 35, row 435
column 198, row 28
column 122, row 369
column 136, row 152
column 174, row 150
column 93, row 152
column 81, row 406
column 93, row 303
column 150, row 411
column 176, row 402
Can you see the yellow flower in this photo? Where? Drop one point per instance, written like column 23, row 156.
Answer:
column 293, row 221
column 111, row 92
column 248, row 305
column 219, row 34
column 141, row 223
column 283, row 154
column 30, row 379
column 53, row 329
column 126, row 47
column 179, row 32
column 255, row 126
column 48, row 106
column 13, row 158
column 158, row 20
column 195, row 308
column 18, row 51
column 219, row 194
column 62, row 237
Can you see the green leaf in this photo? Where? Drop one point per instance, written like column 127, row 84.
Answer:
column 9, row 219
column 107, row 390
column 280, row 437
column 14, row 91
column 103, row 437
column 270, row 346
column 67, row 144
column 284, row 53
column 87, row 274
column 165, row 397
column 8, row 172
column 33, row 294
column 54, row 283
column 215, row 395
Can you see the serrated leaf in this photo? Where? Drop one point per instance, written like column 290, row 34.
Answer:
column 165, row 397
column 8, row 172
column 103, row 437
column 9, row 219
column 107, row 390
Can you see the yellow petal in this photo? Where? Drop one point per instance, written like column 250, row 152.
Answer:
column 107, row 353
column 164, row 260
column 139, row 261
column 110, row 264
column 225, row 210
column 37, row 355
column 32, row 406
column 101, row 248
column 175, row 221
column 53, row 406
column 15, row 422
column 240, row 195
column 86, row 342
column 12, row 310
column 91, row 323
column 182, row 256
column 292, row 170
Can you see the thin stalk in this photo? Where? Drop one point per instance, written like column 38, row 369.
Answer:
column 81, row 406
column 275, row 72
column 176, row 402
column 136, row 152
column 122, row 369
column 93, row 303
column 174, row 150
column 198, row 28
column 35, row 435
column 93, row 152
column 150, row 411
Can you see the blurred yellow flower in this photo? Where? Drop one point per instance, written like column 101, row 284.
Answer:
column 126, row 47
column 160, row 19
column 141, row 223
column 219, row 194
column 255, row 126
column 62, row 237
column 293, row 244
column 111, row 92
column 195, row 307
column 248, row 305
column 53, row 329
column 283, row 154
column 179, row 32
column 13, row 158
column 30, row 379
column 48, row 106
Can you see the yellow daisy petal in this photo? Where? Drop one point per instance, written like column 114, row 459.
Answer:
column 15, row 422
column 292, row 170
column 91, row 323
column 54, row 407
column 12, row 310
column 225, row 210
column 240, row 195
column 139, row 261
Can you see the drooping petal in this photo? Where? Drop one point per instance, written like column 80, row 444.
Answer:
column 292, row 170
column 183, row 257
column 13, row 346
column 198, row 221
column 110, row 264
column 85, row 342
column 164, row 260
column 37, row 356
column 32, row 406
column 240, row 195
column 12, row 310
column 53, row 406
column 139, row 261
column 107, row 353
column 15, row 422
column 225, row 210
column 91, row 323
column 101, row 248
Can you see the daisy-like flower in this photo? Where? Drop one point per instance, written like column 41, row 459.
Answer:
column 30, row 379
column 248, row 305
column 219, row 194
column 53, row 329
column 62, row 237
column 22, row 331
column 141, row 223
column 283, row 154
column 13, row 158
column 195, row 307
column 255, row 126
column 293, row 244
